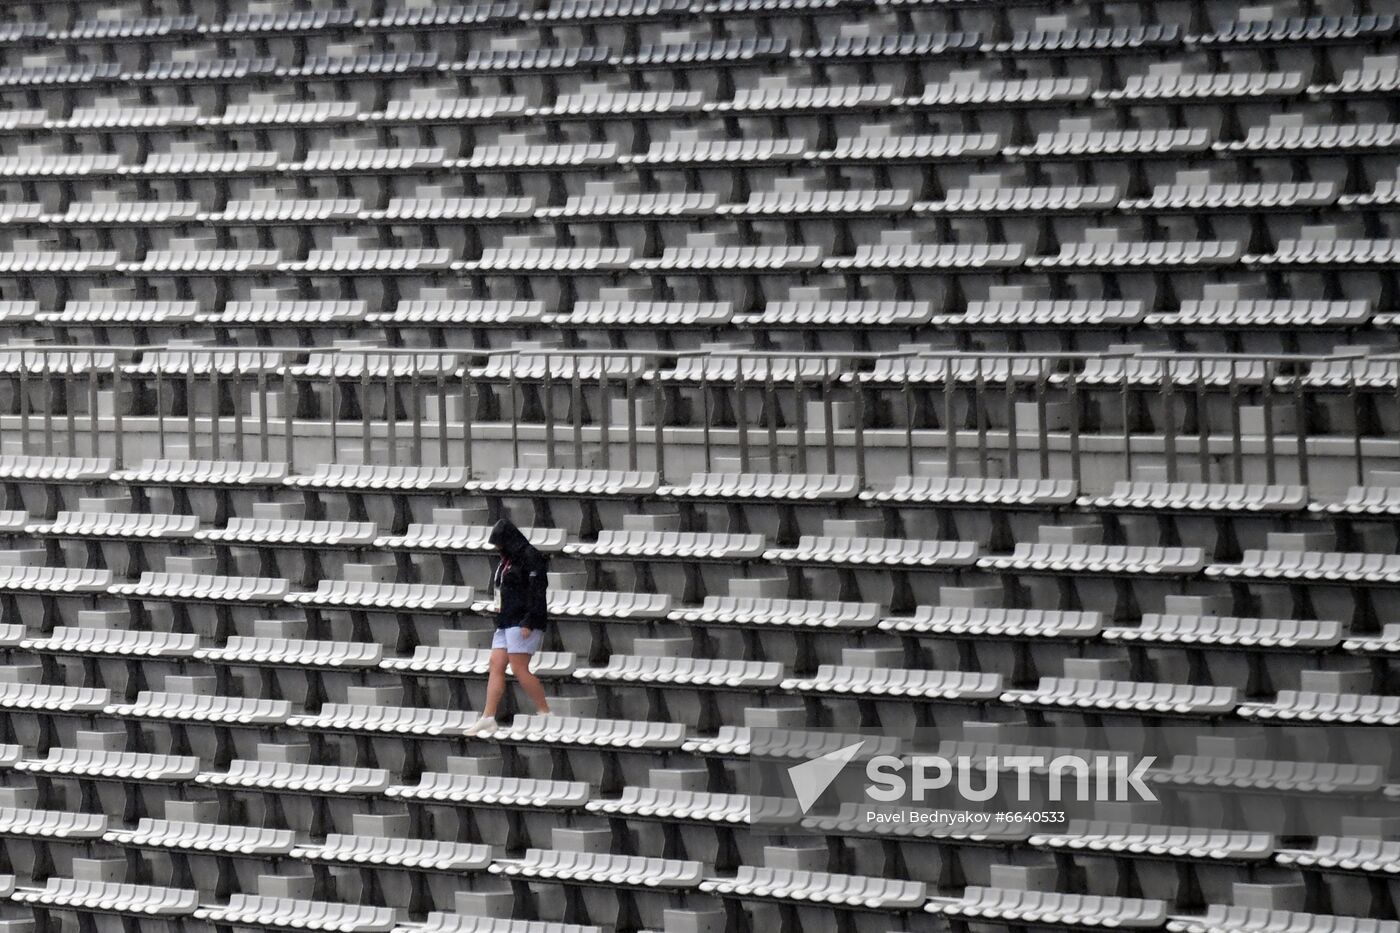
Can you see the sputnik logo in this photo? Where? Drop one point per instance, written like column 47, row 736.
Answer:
column 811, row 778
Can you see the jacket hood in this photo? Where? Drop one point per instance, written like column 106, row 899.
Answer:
column 511, row 541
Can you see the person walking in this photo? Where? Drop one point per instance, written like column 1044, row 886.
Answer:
column 522, row 587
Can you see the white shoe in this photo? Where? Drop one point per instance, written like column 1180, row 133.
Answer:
column 484, row 724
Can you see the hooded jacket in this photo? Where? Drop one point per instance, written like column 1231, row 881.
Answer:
column 520, row 578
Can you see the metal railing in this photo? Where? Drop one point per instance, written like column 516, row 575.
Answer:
column 1213, row 412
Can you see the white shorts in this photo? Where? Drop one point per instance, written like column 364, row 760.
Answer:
column 514, row 643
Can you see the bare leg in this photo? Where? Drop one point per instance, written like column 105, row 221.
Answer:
column 520, row 667
column 496, row 682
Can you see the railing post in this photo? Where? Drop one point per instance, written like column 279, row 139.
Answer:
column 264, row 442
column 160, row 408
column 799, row 394
column 1236, row 428
column 979, row 397
column 391, row 411
column 1013, row 441
column 829, row 418
column 1267, row 415
column 909, row 417
column 1042, row 427
column 576, row 401
column 415, row 390
column 94, row 429
column 23, row 402
column 237, row 410
column 770, row 402
column 706, row 429
column 366, row 420
column 549, row 408
column 630, row 391
column 289, row 399
column 1125, row 412
column 190, row 438
column 950, row 418
column 659, row 424
column 1169, row 423
column 1358, row 449
column 334, row 417
column 118, row 444
column 444, row 450
column 859, row 399
column 604, row 418
column 1202, row 421
column 517, row 410
column 1300, row 427
column 69, row 406
column 1076, row 425
column 468, row 400
column 46, row 374
column 215, row 406
column 741, row 400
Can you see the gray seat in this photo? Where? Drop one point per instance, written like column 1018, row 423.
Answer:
column 959, row 490
column 490, row 791
column 601, row 868
column 686, row 672
column 116, row 642
column 1013, row 906
column 781, row 613
column 58, row 580
column 293, row 652
column 670, row 545
column 298, row 778
column 448, row 311
column 555, row 481
column 695, row 806
column 194, row 836
column 1200, row 497
column 422, row 597
column 1220, row 918
column 375, row 851
column 1314, row 706
column 1229, row 631
column 878, row 552
column 203, row 473
column 1043, row 313
column 49, row 698
column 1146, row 839
column 1099, row 558
column 109, row 313
column 203, row 708
column 291, row 532
column 204, row 588
column 1261, row 312
column 961, row 622
column 110, row 897
column 764, row 487
column 470, row 539
column 329, row 476
column 819, row 887
column 253, row 910
column 839, row 314
column 133, row 525
column 1311, row 565
column 443, row 659
column 550, row 729
column 1126, row 696
column 892, row 682
column 1314, row 777
column 113, row 766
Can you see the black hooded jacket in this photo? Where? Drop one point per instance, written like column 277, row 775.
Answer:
column 521, row 579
